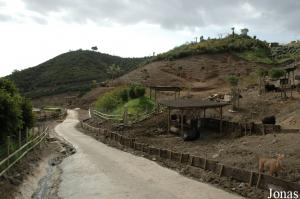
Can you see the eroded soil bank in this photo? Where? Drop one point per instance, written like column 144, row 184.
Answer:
column 37, row 175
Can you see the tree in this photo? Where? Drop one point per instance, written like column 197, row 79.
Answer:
column 234, row 82
column 114, row 70
column 201, row 38
column 94, row 48
column 233, row 34
column 27, row 114
column 15, row 111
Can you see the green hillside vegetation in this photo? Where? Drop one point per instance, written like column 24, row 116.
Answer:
column 243, row 46
column 121, row 98
column 72, row 71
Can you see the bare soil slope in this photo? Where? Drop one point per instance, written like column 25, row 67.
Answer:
column 200, row 72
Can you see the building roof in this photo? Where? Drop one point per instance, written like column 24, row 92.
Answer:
column 193, row 103
column 289, row 68
column 166, row 88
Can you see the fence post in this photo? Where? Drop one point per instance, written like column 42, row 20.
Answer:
column 20, row 139
column 125, row 115
column 26, row 135
column 8, row 148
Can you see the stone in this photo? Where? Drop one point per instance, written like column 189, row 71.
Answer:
column 241, row 185
column 215, row 156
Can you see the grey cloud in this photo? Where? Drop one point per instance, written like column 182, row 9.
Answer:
column 5, row 18
column 176, row 14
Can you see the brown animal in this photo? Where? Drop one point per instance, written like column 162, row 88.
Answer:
column 272, row 164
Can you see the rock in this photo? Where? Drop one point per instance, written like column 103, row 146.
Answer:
column 63, row 151
column 18, row 176
column 215, row 156
column 242, row 185
column 160, row 130
column 274, row 141
column 154, row 159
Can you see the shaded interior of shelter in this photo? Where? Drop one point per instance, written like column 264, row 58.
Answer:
column 187, row 118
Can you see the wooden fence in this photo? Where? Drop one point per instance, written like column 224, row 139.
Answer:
column 250, row 177
column 14, row 156
column 119, row 118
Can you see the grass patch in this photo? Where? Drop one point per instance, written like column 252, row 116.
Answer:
column 121, row 98
column 258, row 55
column 142, row 105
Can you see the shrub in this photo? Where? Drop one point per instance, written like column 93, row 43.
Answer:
column 110, row 100
column 132, row 92
column 124, row 95
column 140, row 91
column 233, row 80
column 276, row 73
column 136, row 91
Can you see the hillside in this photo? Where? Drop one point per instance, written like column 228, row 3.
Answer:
column 201, row 66
column 205, row 65
column 198, row 72
column 71, row 71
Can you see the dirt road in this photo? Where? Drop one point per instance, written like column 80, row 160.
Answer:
column 99, row 171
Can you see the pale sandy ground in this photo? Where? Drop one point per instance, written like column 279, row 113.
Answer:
column 99, row 171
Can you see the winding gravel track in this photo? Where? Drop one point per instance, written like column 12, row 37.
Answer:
column 99, row 171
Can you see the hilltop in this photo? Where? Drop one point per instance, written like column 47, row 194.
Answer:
column 71, row 71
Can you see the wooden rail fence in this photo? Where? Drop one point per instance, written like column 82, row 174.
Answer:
column 14, row 157
column 119, row 118
column 250, row 177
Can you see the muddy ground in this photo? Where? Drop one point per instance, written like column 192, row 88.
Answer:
column 37, row 175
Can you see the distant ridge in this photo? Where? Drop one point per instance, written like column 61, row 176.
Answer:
column 71, row 71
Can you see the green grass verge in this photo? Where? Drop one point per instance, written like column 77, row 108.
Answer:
column 136, row 107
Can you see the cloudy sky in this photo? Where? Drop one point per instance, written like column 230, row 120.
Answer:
column 33, row 31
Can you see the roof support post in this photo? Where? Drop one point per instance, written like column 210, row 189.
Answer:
column 169, row 118
column 181, row 114
column 221, row 119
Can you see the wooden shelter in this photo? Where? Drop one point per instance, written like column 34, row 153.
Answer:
column 290, row 72
column 156, row 89
column 192, row 105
